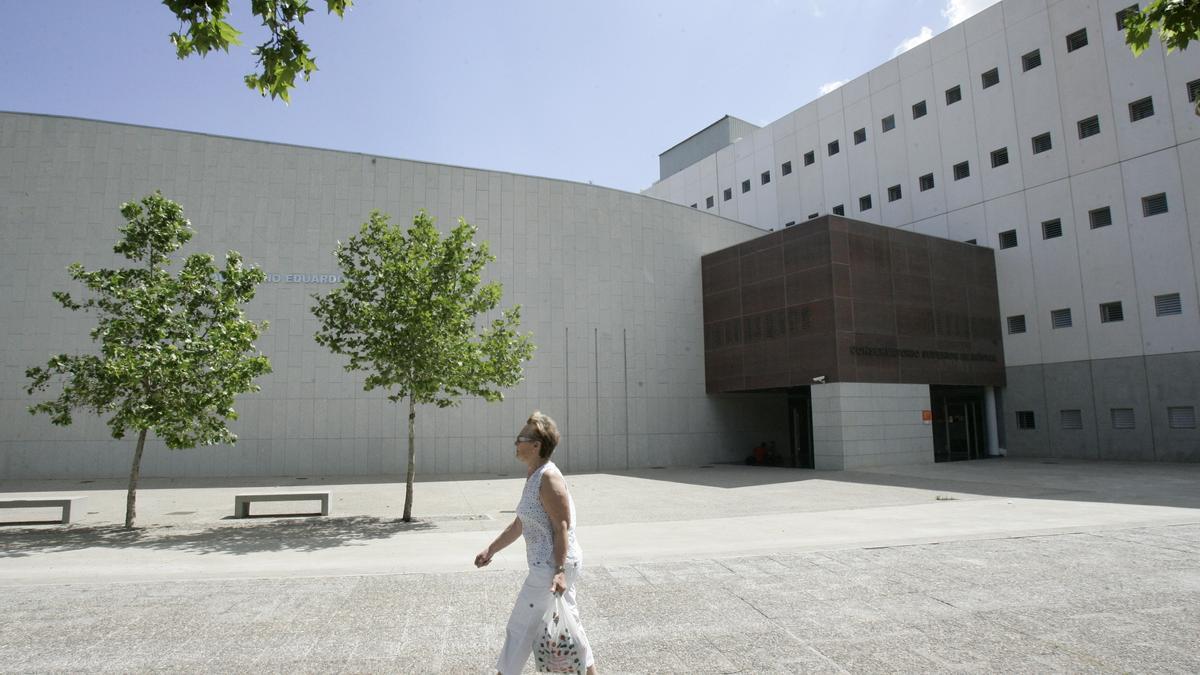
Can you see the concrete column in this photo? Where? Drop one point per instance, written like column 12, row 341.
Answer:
column 993, row 433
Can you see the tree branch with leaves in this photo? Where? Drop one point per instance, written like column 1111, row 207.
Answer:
column 282, row 57
column 407, row 311
column 174, row 350
column 1177, row 23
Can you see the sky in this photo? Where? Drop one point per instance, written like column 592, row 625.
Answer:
column 589, row 91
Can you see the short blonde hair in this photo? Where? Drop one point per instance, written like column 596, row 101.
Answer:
column 547, row 432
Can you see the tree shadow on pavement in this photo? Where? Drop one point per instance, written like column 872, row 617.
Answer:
column 240, row 539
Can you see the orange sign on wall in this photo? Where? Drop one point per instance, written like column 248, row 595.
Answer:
column 927, row 416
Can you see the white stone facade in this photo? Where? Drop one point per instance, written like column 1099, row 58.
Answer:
column 858, row 425
column 1020, row 69
column 609, row 284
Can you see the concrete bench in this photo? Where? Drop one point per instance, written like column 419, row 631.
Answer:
column 241, row 503
column 67, row 504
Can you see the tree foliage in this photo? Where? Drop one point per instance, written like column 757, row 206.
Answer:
column 1176, row 21
column 406, row 314
column 174, row 350
column 281, row 57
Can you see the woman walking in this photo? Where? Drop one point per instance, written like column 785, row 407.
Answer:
column 546, row 518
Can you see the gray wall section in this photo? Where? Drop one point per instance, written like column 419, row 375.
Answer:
column 1148, row 385
column 609, row 284
column 702, row 144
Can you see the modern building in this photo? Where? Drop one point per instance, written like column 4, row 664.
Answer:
column 1029, row 129
column 987, row 244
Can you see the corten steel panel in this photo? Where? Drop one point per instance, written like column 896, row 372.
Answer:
column 853, row 302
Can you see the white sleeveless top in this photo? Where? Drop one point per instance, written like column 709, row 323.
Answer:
column 535, row 523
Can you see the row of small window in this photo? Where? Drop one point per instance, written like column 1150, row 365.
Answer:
column 1178, row 417
column 1152, row 205
column 1168, row 304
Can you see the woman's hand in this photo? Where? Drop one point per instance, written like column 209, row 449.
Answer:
column 484, row 557
column 559, row 585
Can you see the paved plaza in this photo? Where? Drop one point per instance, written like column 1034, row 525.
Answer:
column 990, row 566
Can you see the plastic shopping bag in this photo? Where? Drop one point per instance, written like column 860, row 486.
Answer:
column 557, row 648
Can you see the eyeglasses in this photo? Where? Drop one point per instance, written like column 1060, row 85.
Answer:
column 524, row 439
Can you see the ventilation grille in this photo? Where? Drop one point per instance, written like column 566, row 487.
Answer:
column 1031, row 60
column 1071, row 419
column 1016, row 324
column 893, row 193
column 727, row 194
column 1141, row 109
column 864, row 203
column 991, row 78
column 839, row 210
column 1052, row 229
column 766, row 177
column 1124, row 14
column 919, row 109
column 860, row 136
column 1077, row 40
column 1181, row 417
column 1111, row 311
column 745, row 186
column 1154, row 204
column 1167, row 305
column 810, row 157
column 1089, row 127
column 833, row 148
column 926, row 182
column 999, row 157
column 1008, row 239
column 1060, row 318
column 1025, row 419
column 888, row 123
column 962, row 170
column 1101, row 217
column 1193, row 90
column 1122, row 418
column 953, row 95
column 786, row 169
column 1041, row 143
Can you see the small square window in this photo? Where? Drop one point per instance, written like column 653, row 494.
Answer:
column 1154, row 204
column 1025, row 419
column 1071, row 419
column 839, row 210
column 926, row 182
column 1041, row 143
column 1111, row 312
column 810, row 157
column 919, row 110
column 962, row 170
column 990, row 78
column 1141, row 109
column 727, row 194
column 1101, row 217
column 864, row 203
column 1031, row 60
column 1193, row 90
column 785, row 169
column 1052, row 229
column 1167, row 305
column 1060, row 318
column 1124, row 14
column 894, row 193
column 888, row 123
column 860, row 136
column 708, row 202
column 1077, row 40
column 1181, row 417
column 765, row 177
column 834, row 148
column 1089, row 126
column 953, row 95
column 999, row 157
column 1122, row 418
column 813, row 215
column 1016, row 324
column 745, row 186
column 1008, row 239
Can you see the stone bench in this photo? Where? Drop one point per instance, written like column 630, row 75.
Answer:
column 67, row 504
column 241, row 503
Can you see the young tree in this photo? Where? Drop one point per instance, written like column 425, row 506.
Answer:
column 406, row 314
column 1176, row 21
column 173, row 349
column 202, row 28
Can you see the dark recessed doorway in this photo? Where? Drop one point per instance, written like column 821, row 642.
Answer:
column 959, row 423
column 800, row 424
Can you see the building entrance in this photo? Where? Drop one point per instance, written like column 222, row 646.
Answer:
column 959, row 424
column 800, row 424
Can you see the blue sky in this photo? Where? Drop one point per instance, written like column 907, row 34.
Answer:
column 585, row 91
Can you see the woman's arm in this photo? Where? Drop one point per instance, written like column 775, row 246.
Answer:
column 508, row 536
column 553, row 492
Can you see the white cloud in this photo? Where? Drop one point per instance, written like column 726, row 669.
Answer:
column 925, row 34
column 830, row 86
column 957, row 11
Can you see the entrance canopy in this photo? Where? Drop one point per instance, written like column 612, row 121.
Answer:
column 839, row 300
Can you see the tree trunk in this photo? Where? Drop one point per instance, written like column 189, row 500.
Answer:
column 131, row 496
column 412, row 459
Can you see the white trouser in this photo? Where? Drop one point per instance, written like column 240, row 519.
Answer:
column 526, row 619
